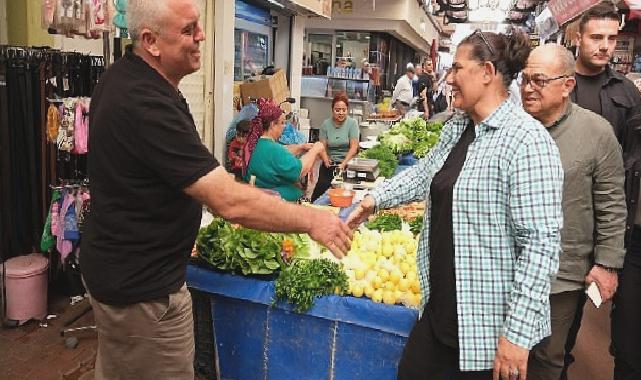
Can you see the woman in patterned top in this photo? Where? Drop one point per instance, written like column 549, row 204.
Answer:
column 491, row 237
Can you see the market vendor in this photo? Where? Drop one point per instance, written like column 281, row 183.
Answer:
column 274, row 165
column 339, row 135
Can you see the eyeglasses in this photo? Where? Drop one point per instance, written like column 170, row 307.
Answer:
column 480, row 33
column 537, row 81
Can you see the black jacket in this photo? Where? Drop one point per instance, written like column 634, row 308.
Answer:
column 621, row 105
column 632, row 162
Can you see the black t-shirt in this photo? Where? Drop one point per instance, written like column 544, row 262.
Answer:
column 424, row 81
column 144, row 150
column 588, row 91
column 442, row 305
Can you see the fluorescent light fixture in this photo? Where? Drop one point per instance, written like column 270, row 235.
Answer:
column 486, row 14
column 276, row 3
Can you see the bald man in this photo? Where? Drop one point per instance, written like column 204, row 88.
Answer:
column 594, row 209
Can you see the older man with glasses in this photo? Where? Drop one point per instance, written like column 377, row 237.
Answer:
column 594, row 209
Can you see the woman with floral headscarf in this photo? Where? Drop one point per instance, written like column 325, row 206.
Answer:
column 275, row 166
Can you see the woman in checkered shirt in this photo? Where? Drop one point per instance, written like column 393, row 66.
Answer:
column 491, row 237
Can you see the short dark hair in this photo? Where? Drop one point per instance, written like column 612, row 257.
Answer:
column 340, row 97
column 243, row 126
column 603, row 11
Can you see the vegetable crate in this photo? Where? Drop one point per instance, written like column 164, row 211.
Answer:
column 339, row 338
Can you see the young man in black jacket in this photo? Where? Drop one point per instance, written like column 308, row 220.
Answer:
column 619, row 102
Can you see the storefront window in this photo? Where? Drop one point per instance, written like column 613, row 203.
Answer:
column 318, row 54
column 251, row 53
column 352, row 49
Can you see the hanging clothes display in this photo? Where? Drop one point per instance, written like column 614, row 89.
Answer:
column 88, row 18
column 34, row 83
column 69, row 207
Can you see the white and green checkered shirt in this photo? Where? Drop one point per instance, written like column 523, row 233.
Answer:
column 506, row 216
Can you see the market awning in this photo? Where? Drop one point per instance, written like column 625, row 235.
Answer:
column 566, row 10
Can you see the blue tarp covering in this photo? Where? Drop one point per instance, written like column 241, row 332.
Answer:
column 340, row 337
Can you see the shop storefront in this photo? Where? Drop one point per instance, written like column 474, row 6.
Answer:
column 362, row 51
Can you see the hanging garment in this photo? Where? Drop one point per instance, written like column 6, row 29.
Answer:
column 81, row 126
column 64, row 246
column 48, row 12
column 84, row 209
column 48, row 241
column 67, row 121
column 71, row 231
column 55, row 216
column 53, row 123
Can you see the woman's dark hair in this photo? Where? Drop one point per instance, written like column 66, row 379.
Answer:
column 508, row 52
column 340, row 97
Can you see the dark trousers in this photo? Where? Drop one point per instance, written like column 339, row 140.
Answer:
column 573, row 333
column 325, row 176
column 626, row 315
column 546, row 360
column 425, row 357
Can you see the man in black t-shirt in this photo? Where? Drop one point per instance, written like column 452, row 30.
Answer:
column 606, row 92
column 150, row 173
column 426, row 80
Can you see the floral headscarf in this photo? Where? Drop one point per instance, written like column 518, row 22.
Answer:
column 268, row 111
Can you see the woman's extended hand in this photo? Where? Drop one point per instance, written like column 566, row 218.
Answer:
column 510, row 362
column 360, row 214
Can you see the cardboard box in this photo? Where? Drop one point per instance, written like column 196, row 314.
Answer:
column 269, row 86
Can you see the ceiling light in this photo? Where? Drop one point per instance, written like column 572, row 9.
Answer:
column 276, row 3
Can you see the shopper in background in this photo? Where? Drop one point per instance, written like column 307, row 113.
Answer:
column 491, row 237
column 606, row 92
column 235, row 150
column 340, row 135
column 149, row 175
column 403, row 91
column 594, row 209
column 426, row 87
column 274, row 165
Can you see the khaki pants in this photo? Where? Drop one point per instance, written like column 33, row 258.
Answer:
column 149, row 340
column 547, row 358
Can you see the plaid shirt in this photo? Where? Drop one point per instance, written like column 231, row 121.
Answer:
column 506, row 216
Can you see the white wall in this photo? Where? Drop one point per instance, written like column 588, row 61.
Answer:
column 80, row 44
column 224, row 15
column 401, row 18
column 3, row 22
column 281, row 39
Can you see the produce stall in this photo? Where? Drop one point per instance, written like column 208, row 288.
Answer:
column 291, row 308
column 282, row 306
column 339, row 338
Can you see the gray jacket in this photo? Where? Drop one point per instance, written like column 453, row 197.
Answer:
column 594, row 209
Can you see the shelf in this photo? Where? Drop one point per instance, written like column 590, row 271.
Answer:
column 356, row 80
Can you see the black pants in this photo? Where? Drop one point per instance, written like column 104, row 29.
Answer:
column 626, row 315
column 425, row 357
column 325, row 176
column 573, row 333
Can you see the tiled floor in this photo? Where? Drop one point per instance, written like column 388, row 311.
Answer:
column 35, row 353
column 30, row 352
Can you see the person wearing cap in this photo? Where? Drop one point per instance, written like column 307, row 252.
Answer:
column 404, row 90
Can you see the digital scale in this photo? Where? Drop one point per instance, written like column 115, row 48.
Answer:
column 361, row 169
column 360, row 173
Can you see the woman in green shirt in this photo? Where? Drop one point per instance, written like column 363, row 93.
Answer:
column 339, row 135
column 276, row 166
